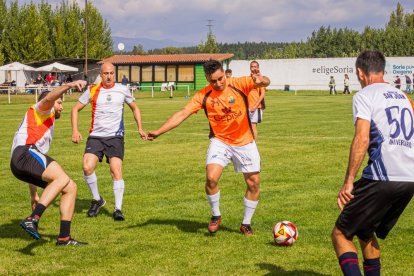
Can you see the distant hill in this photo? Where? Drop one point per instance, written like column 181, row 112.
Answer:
column 148, row 44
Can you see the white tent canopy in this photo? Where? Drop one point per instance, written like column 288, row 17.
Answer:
column 16, row 66
column 57, row 67
column 20, row 73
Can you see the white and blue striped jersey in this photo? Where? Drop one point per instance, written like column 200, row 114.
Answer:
column 391, row 141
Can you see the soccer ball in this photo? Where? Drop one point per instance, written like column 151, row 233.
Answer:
column 285, row 233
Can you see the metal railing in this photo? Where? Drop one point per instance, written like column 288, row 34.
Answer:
column 133, row 89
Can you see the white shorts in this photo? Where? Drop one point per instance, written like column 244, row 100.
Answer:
column 256, row 116
column 245, row 158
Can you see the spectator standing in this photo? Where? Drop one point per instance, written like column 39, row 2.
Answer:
column 125, row 80
column 39, row 79
column 69, row 78
column 49, row 78
column 346, row 85
column 397, row 82
column 332, row 85
column 408, row 82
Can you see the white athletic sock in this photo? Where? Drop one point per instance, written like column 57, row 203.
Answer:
column 214, row 201
column 119, row 186
column 249, row 208
column 92, row 182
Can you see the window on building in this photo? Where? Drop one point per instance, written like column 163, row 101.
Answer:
column 147, row 73
column 159, row 72
column 122, row 70
column 172, row 73
column 186, row 73
column 135, row 74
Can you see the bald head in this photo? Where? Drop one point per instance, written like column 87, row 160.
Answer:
column 107, row 74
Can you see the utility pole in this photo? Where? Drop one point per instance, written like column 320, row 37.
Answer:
column 209, row 25
column 86, row 41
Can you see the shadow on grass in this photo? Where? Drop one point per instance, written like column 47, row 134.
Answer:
column 13, row 230
column 188, row 226
column 276, row 270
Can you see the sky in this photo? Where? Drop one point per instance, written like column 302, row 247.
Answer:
column 186, row 21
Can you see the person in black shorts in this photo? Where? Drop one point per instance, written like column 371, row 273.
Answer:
column 30, row 163
column 372, row 205
column 106, row 136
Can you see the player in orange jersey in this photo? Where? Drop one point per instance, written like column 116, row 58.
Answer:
column 256, row 101
column 231, row 137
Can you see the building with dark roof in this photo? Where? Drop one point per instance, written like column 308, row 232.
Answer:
column 153, row 70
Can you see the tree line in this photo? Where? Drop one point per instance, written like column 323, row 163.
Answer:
column 32, row 32
column 395, row 39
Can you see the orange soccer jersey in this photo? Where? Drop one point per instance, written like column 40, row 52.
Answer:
column 255, row 95
column 226, row 111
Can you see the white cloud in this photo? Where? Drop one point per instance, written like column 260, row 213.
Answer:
column 239, row 20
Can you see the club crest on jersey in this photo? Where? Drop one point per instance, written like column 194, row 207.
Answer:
column 231, row 99
column 108, row 98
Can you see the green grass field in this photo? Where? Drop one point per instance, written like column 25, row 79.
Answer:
column 304, row 143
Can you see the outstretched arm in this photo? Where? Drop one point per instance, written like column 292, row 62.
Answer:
column 49, row 101
column 137, row 116
column 174, row 121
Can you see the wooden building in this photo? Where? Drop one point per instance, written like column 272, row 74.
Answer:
column 155, row 70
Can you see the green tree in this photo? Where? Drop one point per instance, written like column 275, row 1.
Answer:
column 68, row 30
column 47, row 14
column 171, row 51
column 11, row 34
column 397, row 18
column 210, row 46
column 99, row 34
column 3, row 14
column 138, row 50
column 33, row 41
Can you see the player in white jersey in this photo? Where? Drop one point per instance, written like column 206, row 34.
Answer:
column 30, row 163
column 383, row 119
column 106, row 135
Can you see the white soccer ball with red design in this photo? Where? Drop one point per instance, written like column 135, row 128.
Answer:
column 285, row 233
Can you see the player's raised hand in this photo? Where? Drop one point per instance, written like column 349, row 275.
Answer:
column 79, row 84
column 76, row 137
column 345, row 195
column 258, row 79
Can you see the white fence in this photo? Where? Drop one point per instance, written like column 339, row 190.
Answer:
column 314, row 73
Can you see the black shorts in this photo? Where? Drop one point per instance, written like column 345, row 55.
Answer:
column 375, row 208
column 28, row 164
column 108, row 146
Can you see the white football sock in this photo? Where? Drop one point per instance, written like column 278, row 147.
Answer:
column 214, row 201
column 92, row 182
column 249, row 208
column 119, row 186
